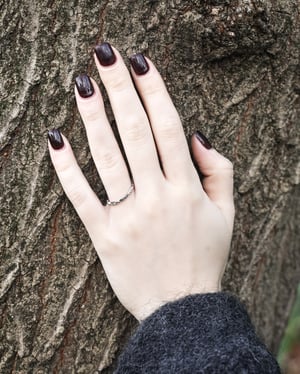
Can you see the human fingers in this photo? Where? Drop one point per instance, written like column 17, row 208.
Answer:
column 103, row 145
column 75, row 185
column 218, row 175
column 132, row 121
column 165, row 122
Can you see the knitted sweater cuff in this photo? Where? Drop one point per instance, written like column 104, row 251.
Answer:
column 203, row 333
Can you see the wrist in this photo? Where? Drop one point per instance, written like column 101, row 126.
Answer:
column 153, row 305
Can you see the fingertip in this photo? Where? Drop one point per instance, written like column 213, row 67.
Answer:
column 202, row 139
column 55, row 139
column 106, row 56
column 202, row 150
column 206, row 155
column 139, row 64
column 86, row 89
column 147, row 71
column 217, row 173
column 61, row 153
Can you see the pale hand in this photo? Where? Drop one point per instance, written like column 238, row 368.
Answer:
column 171, row 236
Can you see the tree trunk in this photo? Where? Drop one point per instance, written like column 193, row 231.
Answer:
column 232, row 68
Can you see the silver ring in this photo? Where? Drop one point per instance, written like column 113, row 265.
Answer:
column 116, row 202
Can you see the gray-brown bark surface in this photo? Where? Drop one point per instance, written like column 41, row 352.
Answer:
column 232, row 68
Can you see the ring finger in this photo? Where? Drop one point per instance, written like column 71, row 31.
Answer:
column 103, row 145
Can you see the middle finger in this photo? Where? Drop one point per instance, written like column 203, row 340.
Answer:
column 132, row 121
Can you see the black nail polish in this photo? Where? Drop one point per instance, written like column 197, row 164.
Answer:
column 139, row 64
column 105, row 54
column 203, row 140
column 84, row 85
column 55, row 139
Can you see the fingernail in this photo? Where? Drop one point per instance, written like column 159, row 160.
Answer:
column 139, row 64
column 55, row 139
column 105, row 54
column 203, row 140
column 84, row 85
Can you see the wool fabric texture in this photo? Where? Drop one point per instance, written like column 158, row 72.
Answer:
column 204, row 333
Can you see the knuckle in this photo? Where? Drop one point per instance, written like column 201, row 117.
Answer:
column 110, row 246
column 91, row 116
column 65, row 166
column 152, row 208
column 170, row 129
column 77, row 197
column 130, row 229
column 136, row 130
column 153, row 87
column 195, row 196
column 117, row 82
column 106, row 160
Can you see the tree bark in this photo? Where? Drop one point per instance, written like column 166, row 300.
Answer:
column 232, row 68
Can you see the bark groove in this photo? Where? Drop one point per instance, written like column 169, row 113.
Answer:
column 232, row 68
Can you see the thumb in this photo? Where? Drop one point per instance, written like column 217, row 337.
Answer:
column 217, row 174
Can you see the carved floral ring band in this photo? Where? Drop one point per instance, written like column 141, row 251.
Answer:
column 116, row 202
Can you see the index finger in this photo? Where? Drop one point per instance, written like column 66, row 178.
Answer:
column 165, row 122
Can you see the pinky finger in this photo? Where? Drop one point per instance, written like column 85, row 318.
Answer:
column 74, row 183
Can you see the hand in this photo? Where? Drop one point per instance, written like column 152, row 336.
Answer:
column 171, row 236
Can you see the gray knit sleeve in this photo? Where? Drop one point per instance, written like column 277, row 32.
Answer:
column 203, row 333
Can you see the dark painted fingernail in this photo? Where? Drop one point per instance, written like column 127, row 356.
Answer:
column 84, row 85
column 203, row 140
column 139, row 64
column 55, row 139
column 105, row 54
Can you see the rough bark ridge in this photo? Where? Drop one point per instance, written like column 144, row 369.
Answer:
column 232, row 68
